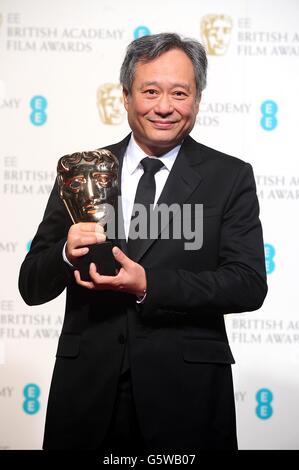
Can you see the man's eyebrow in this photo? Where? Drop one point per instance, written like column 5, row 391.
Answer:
column 151, row 83
column 155, row 83
column 182, row 85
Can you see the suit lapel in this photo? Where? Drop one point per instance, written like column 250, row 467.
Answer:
column 119, row 151
column 182, row 181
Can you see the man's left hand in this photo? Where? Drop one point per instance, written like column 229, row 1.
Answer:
column 131, row 277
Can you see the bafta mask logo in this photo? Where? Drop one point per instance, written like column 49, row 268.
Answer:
column 88, row 185
column 110, row 103
column 216, row 32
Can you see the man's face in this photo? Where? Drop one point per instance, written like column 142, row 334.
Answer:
column 162, row 106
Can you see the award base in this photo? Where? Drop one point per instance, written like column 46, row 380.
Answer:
column 103, row 258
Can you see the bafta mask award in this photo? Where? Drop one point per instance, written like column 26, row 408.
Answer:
column 88, row 186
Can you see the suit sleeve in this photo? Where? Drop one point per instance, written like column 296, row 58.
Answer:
column 239, row 282
column 44, row 274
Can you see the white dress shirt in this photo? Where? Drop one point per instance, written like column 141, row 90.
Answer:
column 132, row 171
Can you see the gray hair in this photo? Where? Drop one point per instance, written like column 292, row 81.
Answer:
column 148, row 48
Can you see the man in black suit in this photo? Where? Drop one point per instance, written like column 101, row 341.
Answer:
column 143, row 361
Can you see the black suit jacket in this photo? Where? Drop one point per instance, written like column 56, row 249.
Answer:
column 179, row 354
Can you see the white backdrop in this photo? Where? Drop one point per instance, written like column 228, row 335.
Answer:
column 54, row 57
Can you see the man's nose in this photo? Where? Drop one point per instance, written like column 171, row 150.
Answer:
column 164, row 105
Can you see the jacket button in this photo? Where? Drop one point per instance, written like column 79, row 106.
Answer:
column 121, row 339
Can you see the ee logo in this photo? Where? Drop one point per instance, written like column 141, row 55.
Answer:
column 31, row 404
column 264, row 398
column 269, row 255
column 141, row 31
column 38, row 116
column 269, row 109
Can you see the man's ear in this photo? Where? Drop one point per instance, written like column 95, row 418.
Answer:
column 125, row 97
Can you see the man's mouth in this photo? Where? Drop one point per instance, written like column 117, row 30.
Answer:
column 163, row 124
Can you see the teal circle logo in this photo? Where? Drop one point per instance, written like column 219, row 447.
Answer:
column 269, row 110
column 141, row 31
column 31, row 404
column 264, row 398
column 38, row 116
column 269, row 258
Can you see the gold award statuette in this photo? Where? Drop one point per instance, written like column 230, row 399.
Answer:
column 88, row 186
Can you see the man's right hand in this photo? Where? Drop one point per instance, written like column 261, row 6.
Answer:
column 80, row 236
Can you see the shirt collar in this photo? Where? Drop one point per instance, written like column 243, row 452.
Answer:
column 135, row 154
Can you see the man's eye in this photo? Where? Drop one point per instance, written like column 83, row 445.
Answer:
column 180, row 94
column 151, row 92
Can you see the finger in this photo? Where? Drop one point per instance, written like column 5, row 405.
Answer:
column 88, row 285
column 83, row 227
column 74, row 253
column 90, row 239
column 87, row 240
column 101, row 280
column 95, row 276
column 84, row 240
column 86, row 226
column 99, row 228
column 101, row 237
column 94, row 227
column 100, row 234
column 77, row 252
column 121, row 257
